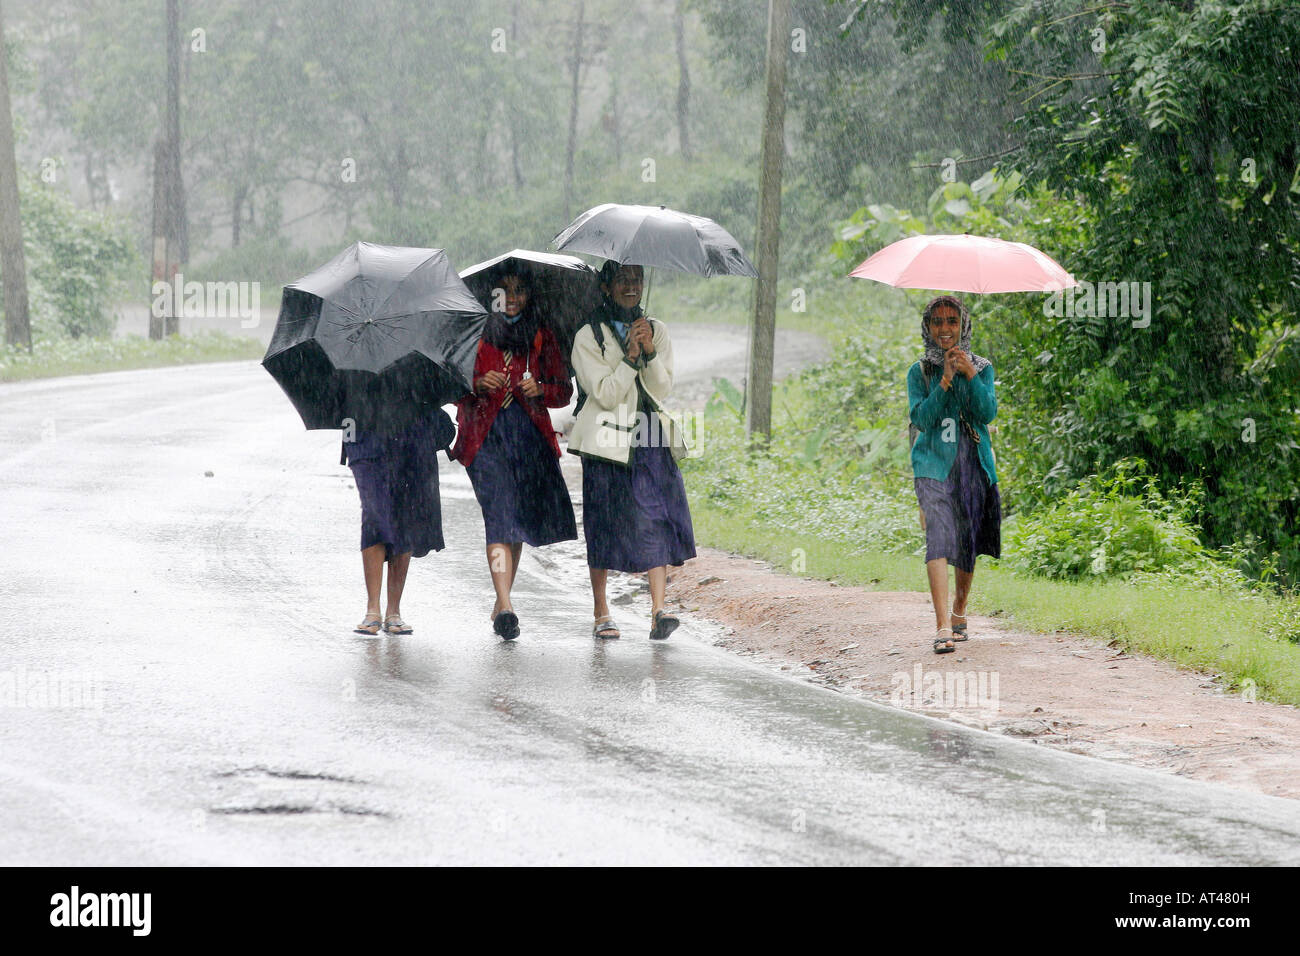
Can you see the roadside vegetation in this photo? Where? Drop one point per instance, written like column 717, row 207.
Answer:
column 1116, row 554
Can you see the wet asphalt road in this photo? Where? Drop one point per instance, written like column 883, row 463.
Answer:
column 230, row 716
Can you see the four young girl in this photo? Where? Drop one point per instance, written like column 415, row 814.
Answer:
column 635, row 514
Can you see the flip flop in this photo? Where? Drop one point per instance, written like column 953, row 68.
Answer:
column 605, row 628
column 507, row 625
column 664, row 624
column 394, row 624
column 369, row 626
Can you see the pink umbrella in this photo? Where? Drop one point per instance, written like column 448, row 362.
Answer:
column 965, row 264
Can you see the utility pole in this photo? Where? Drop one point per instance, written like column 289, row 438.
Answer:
column 169, row 226
column 762, row 326
column 575, row 68
column 13, row 264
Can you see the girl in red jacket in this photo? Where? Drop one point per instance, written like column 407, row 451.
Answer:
column 507, row 443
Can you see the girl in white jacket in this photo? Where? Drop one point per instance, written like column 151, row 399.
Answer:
column 634, row 511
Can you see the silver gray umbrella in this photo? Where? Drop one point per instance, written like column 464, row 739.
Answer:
column 656, row 236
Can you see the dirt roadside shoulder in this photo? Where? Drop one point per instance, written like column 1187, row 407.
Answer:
column 1060, row 691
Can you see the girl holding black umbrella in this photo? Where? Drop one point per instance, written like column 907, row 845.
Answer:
column 635, row 514
column 401, row 516
column 506, row 440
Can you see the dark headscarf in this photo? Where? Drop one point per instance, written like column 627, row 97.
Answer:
column 935, row 355
column 517, row 336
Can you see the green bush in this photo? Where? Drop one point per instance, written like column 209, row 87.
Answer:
column 77, row 263
column 1113, row 525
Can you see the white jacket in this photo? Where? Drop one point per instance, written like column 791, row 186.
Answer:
column 607, row 422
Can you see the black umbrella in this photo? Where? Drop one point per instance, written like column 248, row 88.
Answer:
column 565, row 288
column 378, row 335
column 656, row 236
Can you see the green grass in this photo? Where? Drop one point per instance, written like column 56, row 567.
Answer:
column 1226, row 633
column 49, row 359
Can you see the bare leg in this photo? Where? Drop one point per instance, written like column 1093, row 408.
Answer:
column 658, row 585
column 964, row 579
column 372, row 563
column 516, row 552
column 938, row 572
column 598, row 578
column 502, row 565
column 398, row 565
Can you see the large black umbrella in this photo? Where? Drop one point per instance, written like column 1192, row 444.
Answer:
column 656, row 236
column 378, row 335
column 565, row 288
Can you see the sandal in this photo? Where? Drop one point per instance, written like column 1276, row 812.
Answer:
column 370, row 626
column 605, row 628
column 507, row 625
column 394, row 624
column 940, row 641
column 664, row 624
column 958, row 630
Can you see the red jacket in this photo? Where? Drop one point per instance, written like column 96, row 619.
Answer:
column 477, row 412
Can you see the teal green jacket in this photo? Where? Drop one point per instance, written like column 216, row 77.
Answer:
column 936, row 413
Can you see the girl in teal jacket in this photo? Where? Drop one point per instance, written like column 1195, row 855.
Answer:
column 952, row 400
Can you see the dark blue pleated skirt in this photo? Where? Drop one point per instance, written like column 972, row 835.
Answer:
column 517, row 481
column 963, row 515
column 397, row 479
column 635, row 517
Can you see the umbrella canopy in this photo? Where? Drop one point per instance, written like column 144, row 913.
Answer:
column 565, row 289
column 656, row 236
column 965, row 264
column 378, row 335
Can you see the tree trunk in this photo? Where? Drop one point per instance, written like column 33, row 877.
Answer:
column 616, row 121
column 13, row 265
column 762, row 328
column 575, row 68
column 683, row 84
column 512, row 112
column 236, row 215
column 171, row 232
column 179, row 221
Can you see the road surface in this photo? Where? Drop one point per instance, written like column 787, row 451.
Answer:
column 218, row 709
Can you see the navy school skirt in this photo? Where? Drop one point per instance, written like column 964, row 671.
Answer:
column 963, row 515
column 397, row 479
column 517, row 481
column 635, row 517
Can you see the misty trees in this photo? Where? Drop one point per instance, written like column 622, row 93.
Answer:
column 13, row 267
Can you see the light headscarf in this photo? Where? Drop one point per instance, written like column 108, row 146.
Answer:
column 935, row 355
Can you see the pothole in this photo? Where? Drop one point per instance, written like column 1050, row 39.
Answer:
column 261, row 791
